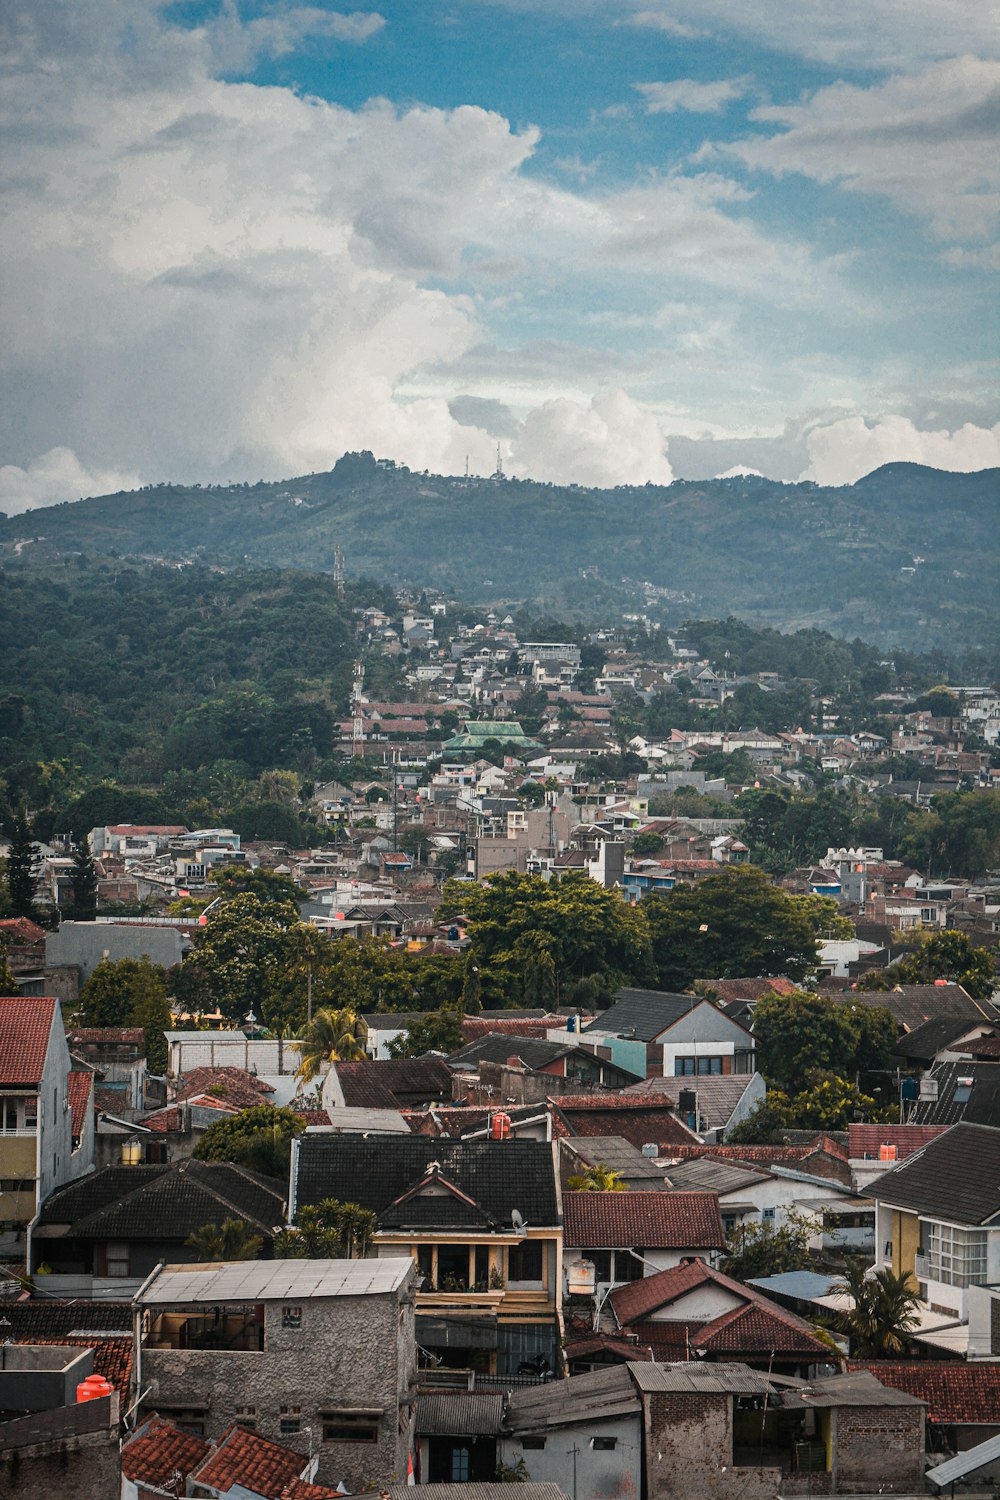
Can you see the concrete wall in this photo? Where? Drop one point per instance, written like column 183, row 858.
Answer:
column 83, row 945
column 599, row 1474
column 63, row 1462
column 39, row 1378
column 350, row 1352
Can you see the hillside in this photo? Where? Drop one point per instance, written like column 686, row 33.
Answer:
column 906, row 556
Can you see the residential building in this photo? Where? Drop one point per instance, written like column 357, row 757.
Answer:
column 42, row 1145
column 317, row 1355
column 611, row 1237
column 583, row 1434
column 481, row 1220
column 685, row 1036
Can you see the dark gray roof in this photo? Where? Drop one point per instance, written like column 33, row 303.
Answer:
column 718, row 1095
column 497, row 1176
column 955, row 1177
column 497, row 1047
column 459, row 1413
column 646, row 1012
column 394, row 1083
column 913, row 1004
column 46, row 1317
column 168, row 1204
column 714, row 1175
column 620, row 1155
column 926, row 1040
column 957, row 1100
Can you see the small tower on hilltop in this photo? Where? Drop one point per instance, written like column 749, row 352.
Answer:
column 498, row 474
column 338, row 571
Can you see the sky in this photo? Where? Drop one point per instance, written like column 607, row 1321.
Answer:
column 624, row 240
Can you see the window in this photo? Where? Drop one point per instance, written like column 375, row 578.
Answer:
column 532, row 1442
column 955, row 1256
column 767, row 1213
column 687, row 1067
column 350, row 1427
column 291, row 1317
column 524, row 1262
column 290, row 1420
column 459, row 1465
column 117, row 1260
column 247, row 1416
column 603, row 1444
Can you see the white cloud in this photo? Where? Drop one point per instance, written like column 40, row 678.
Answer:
column 56, row 476
column 740, row 471
column 611, row 441
column 236, row 45
column 927, row 142
column 690, row 95
column 842, row 452
column 659, row 20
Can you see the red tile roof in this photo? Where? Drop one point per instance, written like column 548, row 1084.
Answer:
column 644, row 1220
column 233, row 1086
column 604, row 1343
column 244, row 1458
column 865, row 1140
column 637, row 1117
column 954, row 1391
column 473, row 1027
column 22, row 931
column 757, row 1329
column 776, row 1155
column 81, row 1097
column 109, row 1034
column 640, row 1298
column 299, row 1489
column 750, row 989
column 134, row 828
column 609, row 1100
column 25, row 1028
column 158, row 1450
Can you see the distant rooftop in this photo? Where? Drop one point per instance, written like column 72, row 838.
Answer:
column 274, row 1280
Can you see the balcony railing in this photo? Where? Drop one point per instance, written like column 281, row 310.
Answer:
column 10, row 1130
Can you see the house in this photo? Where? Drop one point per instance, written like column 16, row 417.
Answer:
column 963, row 1402
column 938, row 1217
column 684, row 1035
column 941, row 1039
column 392, row 1083
column 238, row 1343
column 118, row 1056
column 912, row 1004
column 481, row 1220
column 693, row 1311
column 102, row 1234
column 456, row 1436
column 958, row 1091
column 583, row 1434
column 51, row 1444
column 581, row 1064
column 46, row 1112
column 873, row 1149
column 160, row 1455
column 637, row 1169
column 612, row 1238
column 715, row 1431
column 711, row 1106
column 643, row 1120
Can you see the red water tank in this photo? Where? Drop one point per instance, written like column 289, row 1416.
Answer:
column 93, row 1388
column 500, row 1126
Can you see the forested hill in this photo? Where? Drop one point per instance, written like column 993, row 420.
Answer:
column 906, row 556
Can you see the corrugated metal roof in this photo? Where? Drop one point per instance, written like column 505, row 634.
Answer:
column 804, row 1285
column 271, row 1280
column 723, row 1379
column 965, row 1463
column 459, row 1413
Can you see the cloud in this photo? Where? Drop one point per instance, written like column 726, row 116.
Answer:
column 842, row 452
column 690, row 95
column 897, row 34
column 740, row 471
column 237, row 45
column 611, row 441
column 926, row 142
column 659, row 20
column 56, row 476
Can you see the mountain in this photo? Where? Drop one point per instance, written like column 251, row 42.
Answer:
column 907, row 555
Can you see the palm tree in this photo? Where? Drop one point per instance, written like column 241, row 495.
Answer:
column 332, row 1036
column 232, row 1240
column 883, row 1316
column 598, row 1179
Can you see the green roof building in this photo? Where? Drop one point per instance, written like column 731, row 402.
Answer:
column 475, row 733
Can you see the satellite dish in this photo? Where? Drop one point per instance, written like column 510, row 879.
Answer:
column 516, row 1219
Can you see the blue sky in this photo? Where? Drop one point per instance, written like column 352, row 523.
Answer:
column 629, row 240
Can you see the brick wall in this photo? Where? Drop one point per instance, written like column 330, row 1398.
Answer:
column 872, row 1444
column 689, row 1451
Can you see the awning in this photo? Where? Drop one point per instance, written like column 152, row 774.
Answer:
column 457, row 1333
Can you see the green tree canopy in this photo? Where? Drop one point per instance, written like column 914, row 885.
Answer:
column 598, row 1178
column 940, row 955
column 736, row 924
column 233, row 1239
column 884, row 1314
column 259, row 1138
column 438, row 1031
column 801, row 1033
column 328, row 1230
column 241, row 952
column 267, row 885
column 130, row 992
column 331, row 1036
column 21, row 867
column 758, row 1249
column 532, row 937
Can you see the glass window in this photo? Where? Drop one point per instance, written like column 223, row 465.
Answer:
column 628, row 1267
column 459, row 1465
column 532, row 1442
column 524, row 1262
column 349, row 1427
column 291, row 1317
column 603, row 1444
column 956, row 1257
column 118, row 1260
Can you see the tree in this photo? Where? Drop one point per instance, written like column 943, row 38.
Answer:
column 801, row 1033
column 647, row 843
column 21, row 866
column 941, row 955
column 598, row 1178
column 757, row 1249
column 84, row 878
column 438, row 1031
column 233, row 1239
column 259, row 1138
column 328, row 1230
column 266, row 885
column 130, row 992
column 332, row 1036
column 532, row 937
column 765, row 1125
column 883, row 1316
column 824, row 916
column 531, row 793
column 241, row 950
column 732, row 925
column 825, row 1102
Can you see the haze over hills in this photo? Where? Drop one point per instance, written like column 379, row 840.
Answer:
column 908, row 555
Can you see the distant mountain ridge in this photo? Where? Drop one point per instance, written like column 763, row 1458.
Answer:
column 908, row 554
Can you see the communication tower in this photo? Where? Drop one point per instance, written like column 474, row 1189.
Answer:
column 338, row 571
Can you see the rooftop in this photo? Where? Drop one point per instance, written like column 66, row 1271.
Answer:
column 647, row 1013
column 274, row 1280
column 955, row 1391
column 648, row 1220
column 955, row 1177
column 25, row 1028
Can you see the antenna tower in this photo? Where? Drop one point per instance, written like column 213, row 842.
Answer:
column 338, row 571
column 498, row 472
